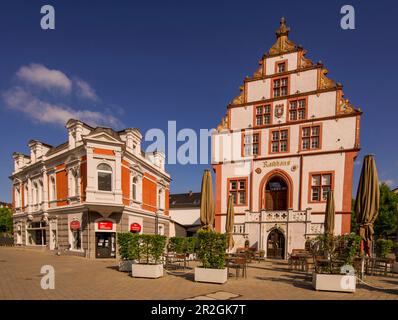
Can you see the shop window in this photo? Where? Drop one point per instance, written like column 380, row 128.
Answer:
column 36, row 233
column 76, row 240
column 104, row 177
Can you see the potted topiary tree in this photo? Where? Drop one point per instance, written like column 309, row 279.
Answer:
column 335, row 271
column 211, row 253
column 150, row 248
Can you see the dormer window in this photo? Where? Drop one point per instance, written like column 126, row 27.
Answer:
column 104, row 172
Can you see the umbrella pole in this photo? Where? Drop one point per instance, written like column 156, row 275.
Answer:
column 362, row 267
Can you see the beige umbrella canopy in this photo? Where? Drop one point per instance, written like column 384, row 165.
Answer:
column 329, row 214
column 229, row 225
column 206, row 202
column 367, row 202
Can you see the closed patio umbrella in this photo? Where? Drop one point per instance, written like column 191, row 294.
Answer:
column 206, row 202
column 329, row 214
column 367, row 203
column 229, row 225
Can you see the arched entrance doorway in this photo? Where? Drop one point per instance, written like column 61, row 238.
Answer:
column 276, row 194
column 276, row 245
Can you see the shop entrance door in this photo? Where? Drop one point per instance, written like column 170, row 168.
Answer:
column 105, row 245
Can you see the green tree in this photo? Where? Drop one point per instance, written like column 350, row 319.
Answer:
column 386, row 222
column 6, row 225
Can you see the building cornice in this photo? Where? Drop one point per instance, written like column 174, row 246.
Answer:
column 293, row 155
column 292, row 96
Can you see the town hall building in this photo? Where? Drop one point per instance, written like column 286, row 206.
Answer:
column 287, row 139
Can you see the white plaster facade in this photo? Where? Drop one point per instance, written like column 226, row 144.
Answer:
column 297, row 167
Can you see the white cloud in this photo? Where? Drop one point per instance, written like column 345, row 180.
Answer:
column 85, row 90
column 389, row 182
column 41, row 76
column 20, row 99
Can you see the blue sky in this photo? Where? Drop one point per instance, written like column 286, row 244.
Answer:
column 140, row 64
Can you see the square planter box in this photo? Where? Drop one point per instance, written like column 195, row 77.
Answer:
column 395, row 267
column 334, row 282
column 125, row 265
column 211, row 275
column 152, row 271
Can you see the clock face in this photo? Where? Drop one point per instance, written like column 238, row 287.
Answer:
column 279, row 110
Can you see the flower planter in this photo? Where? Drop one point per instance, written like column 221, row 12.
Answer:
column 211, row 275
column 395, row 267
column 151, row 271
column 334, row 282
column 125, row 265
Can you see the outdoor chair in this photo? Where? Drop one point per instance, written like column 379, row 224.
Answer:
column 259, row 256
column 238, row 264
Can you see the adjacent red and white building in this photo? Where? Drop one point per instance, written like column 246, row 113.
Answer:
column 287, row 139
column 74, row 197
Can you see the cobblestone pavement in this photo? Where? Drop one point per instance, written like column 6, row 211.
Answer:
column 79, row 278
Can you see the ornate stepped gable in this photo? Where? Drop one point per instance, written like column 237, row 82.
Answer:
column 282, row 46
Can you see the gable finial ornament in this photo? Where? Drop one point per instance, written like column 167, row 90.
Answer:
column 324, row 81
column 239, row 99
column 345, row 106
column 223, row 124
column 282, row 44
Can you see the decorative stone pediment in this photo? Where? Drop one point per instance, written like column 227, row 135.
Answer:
column 102, row 137
column 137, row 169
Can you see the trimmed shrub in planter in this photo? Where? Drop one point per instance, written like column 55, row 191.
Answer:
column 128, row 250
column 336, row 248
column 211, row 253
column 140, row 250
column 182, row 245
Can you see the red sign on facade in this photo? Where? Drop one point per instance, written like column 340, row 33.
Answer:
column 75, row 225
column 105, row 225
column 135, row 227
